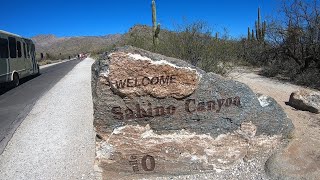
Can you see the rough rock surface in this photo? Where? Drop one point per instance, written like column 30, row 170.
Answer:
column 134, row 75
column 187, row 121
column 305, row 100
column 294, row 163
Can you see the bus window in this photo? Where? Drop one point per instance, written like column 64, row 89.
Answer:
column 28, row 50
column 13, row 47
column 24, row 50
column 19, row 49
column 33, row 49
column 4, row 50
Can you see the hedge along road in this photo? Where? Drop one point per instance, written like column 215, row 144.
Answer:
column 15, row 104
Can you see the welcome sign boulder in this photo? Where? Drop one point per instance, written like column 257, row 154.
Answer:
column 158, row 116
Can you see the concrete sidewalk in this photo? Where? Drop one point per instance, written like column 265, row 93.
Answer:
column 56, row 140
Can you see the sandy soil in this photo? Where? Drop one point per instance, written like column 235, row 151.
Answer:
column 301, row 159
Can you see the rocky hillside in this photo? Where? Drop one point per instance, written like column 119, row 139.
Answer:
column 54, row 45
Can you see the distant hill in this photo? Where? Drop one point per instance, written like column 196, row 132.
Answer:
column 138, row 35
column 73, row 45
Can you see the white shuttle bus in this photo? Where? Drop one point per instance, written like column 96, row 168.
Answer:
column 17, row 58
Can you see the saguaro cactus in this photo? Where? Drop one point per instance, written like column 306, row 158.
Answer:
column 264, row 27
column 249, row 34
column 155, row 26
column 252, row 34
column 260, row 28
column 259, row 23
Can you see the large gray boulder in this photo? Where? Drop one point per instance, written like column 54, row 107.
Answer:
column 161, row 116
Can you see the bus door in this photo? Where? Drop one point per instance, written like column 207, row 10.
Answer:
column 33, row 56
column 27, row 57
column 32, row 64
column 4, row 58
column 21, row 60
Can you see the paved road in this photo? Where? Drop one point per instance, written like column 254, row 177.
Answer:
column 15, row 104
column 56, row 140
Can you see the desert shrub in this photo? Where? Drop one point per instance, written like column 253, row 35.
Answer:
column 53, row 56
column 270, row 71
column 192, row 42
column 253, row 52
column 102, row 50
column 45, row 62
column 292, row 45
column 139, row 36
column 309, row 78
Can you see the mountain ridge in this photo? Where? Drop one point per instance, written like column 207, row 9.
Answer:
column 72, row 45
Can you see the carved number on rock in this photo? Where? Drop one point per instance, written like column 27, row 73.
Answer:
column 145, row 166
column 144, row 163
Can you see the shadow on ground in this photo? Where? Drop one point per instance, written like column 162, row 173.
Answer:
column 5, row 87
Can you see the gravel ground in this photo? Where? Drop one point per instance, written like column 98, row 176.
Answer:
column 56, row 140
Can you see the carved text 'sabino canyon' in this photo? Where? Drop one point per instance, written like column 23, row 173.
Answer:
column 191, row 106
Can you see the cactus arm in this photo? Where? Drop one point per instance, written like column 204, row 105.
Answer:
column 252, row 34
column 157, row 31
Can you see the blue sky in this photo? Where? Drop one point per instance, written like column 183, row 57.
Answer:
column 100, row 17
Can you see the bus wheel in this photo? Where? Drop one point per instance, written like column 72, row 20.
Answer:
column 15, row 81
